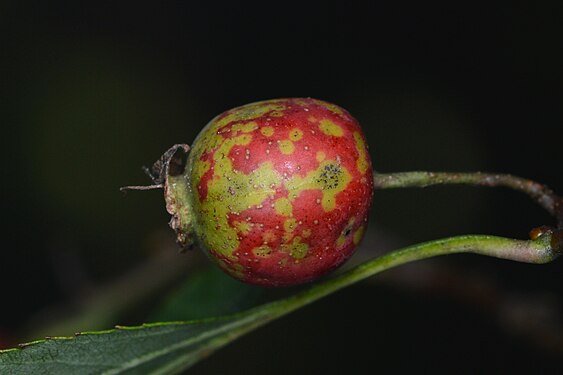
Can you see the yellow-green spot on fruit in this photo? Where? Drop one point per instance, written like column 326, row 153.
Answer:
column 283, row 207
column 333, row 183
column 244, row 127
column 358, row 234
column 276, row 113
column 295, row 135
column 330, row 178
column 306, row 233
column 245, row 113
column 312, row 119
column 362, row 162
column 331, row 107
column 296, row 249
column 320, row 156
column 301, row 102
column 226, row 189
column 267, row 131
column 262, row 251
column 289, row 225
column 236, row 270
column 286, row 147
column 251, row 112
column 230, row 118
column 207, row 140
column 340, row 241
column 330, row 128
column 243, row 227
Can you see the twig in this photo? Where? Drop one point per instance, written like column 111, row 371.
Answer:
column 540, row 193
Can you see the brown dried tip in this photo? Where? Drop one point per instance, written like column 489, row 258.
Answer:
column 171, row 162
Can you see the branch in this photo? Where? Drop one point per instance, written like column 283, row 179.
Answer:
column 540, row 193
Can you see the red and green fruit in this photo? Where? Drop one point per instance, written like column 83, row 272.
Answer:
column 277, row 192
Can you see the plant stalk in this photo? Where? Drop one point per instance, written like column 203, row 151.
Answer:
column 540, row 250
column 540, row 193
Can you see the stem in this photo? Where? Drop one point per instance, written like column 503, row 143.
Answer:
column 540, row 193
column 540, row 250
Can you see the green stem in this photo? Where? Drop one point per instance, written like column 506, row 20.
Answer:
column 540, row 193
column 537, row 251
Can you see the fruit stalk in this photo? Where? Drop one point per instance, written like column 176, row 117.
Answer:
column 540, row 193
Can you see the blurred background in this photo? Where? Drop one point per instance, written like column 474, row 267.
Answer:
column 90, row 93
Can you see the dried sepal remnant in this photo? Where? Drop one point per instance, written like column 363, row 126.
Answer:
column 272, row 186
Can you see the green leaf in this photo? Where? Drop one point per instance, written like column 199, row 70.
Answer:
column 209, row 292
column 159, row 348
column 168, row 348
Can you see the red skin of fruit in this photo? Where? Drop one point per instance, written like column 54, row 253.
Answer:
column 281, row 190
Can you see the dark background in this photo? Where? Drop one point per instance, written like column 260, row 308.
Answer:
column 92, row 92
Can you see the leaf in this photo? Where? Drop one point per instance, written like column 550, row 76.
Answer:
column 209, row 292
column 159, row 348
column 168, row 348
column 156, row 348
